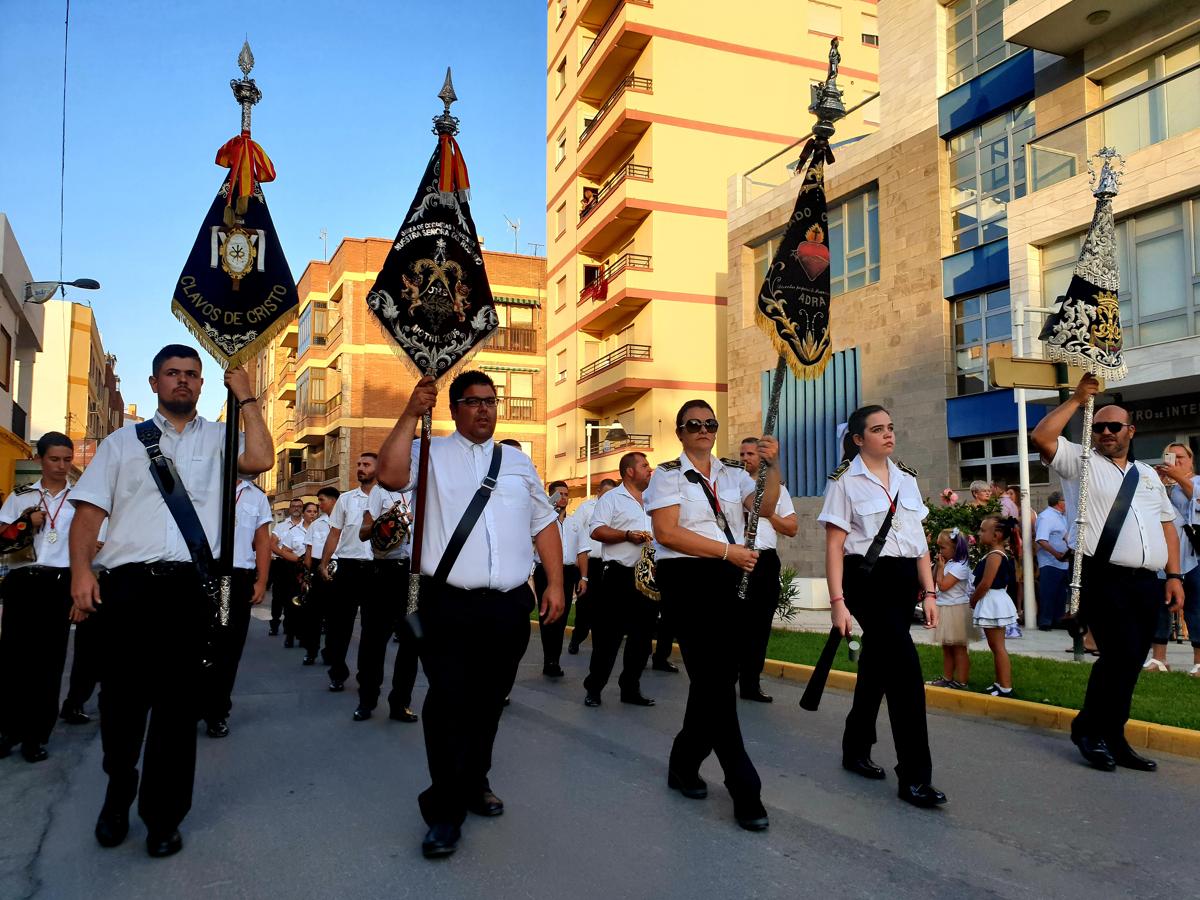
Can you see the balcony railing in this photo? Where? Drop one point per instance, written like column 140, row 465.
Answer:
column 317, row 413
column 288, row 372
column 1149, row 115
column 287, row 426
column 598, row 289
column 628, row 170
column 608, row 23
column 517, row 409
column 629, row 81
column 622, row 353
column 513, row 340
column 335, row 332
column 603, row 448
column 317, row 476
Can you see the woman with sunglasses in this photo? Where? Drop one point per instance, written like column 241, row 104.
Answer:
column 697, row 505
column 876, row 565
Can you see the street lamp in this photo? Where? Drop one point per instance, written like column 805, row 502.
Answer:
column 41, row 291
column 588, row 428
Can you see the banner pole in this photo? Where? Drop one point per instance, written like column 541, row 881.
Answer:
column 229, row 477
column 760, row 485
column 418, row 533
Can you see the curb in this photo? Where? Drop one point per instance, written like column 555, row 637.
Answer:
column 1147, row 735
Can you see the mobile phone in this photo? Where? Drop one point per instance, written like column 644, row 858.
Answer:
column 1168, row 457
column 556, row 496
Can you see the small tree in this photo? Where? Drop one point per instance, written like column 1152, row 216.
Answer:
column 787, row 594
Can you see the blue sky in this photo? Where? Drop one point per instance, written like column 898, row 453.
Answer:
column 348, row 93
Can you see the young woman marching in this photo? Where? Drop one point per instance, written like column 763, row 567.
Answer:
column 876, row 565
column 993, row 608
column 697, row 505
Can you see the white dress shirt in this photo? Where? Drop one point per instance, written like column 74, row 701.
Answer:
column 118, row 480
column 1140, row 543
column 251, row 511
column 56, row 507
column 295, row 539
column 767, row 538
column 670, row 487
column 379, row 501
column 1052, row 527
column 857, row 503
column 347, row 516
column 498, row 553
column 621, row 511
column 568, row 532
column 315, row 535
column 583, row 518
column 282, row 529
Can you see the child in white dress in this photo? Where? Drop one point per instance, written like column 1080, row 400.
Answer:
column 955, row 631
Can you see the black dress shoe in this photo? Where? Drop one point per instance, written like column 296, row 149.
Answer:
column 863, row 766
column 751, row 815
column 217, row 728
column 112, row 828
column 1096, row 752
column 1126, row 758
column 402, row 715
column 289, row 642
column 273, row 630
column 552, row 670
column 34, row 753
column 573, row 648
column 361, row 714
column 308, row 661
column 164, row 843
column 636, row 700
column 592, row 700
column 440, row 840
column 507, row 700
column 664, row 666
column 693, row 787
column 488, row 805
column 335, row 686
column 74, row 715
column 922, row 795
column 758, row 695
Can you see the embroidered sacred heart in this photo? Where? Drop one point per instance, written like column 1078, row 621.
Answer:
column 812, row 254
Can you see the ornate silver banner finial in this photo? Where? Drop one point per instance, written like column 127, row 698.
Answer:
column 1108, row 183
column 245, row 91
column 446, row 123
column 827, row 103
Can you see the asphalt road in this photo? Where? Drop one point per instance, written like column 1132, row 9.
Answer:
column 301, row 802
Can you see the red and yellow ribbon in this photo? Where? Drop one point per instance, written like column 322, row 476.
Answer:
column 247, row 163
column 452, row 177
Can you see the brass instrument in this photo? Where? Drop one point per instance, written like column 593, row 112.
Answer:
column 16, row 538
column 303, row 586
column 391, row 529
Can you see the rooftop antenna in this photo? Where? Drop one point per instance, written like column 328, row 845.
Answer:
column 324, row 235
column 516, row 227
column 535, row 247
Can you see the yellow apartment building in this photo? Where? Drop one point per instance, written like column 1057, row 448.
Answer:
column 332, row 384
column 650, row 105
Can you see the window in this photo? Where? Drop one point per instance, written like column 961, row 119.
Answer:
column 1157, row 114
column 560, row 439
column 527, row 448
column 982, row 328
column 560, row 293
column 987, row 170
column 560, row 219
column 870, row 30
column 5, row 360
column 975, row 39
column 562, row 9
column 312, row 326
column 871, row 40
column 560, row 364
column 825, row 19
column 560, row 77
column 1158, row 256
column 560, row 149
column 996, row 458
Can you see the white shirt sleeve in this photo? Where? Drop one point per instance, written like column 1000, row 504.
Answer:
column 1068, row 459
column 262, row 510
column 98, row 483
column 665, row 489
column 337, row 518
column 837, row 510
column 541, row 513
column 785, row 507
column 1044, row 525
column 747, row 484
column 958, row 569
column 602, row 513
column 13, row 507
column 1166, row 512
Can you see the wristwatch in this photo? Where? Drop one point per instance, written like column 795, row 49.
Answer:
column 1175, row 575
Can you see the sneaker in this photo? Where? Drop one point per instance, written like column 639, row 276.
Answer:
column 996, row 691
column 1157, row 665
column 1194, row 671
column 958, row 685
column 1013, row 631
column 942, row 682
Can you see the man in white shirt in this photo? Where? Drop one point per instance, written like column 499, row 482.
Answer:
column 621, row 526
column 1053, row 557
column 551, row 633
column 314, row 612
column 762, row 596
column 283, row 571
column 1121, row 595
column 153, row 588
column 475, row 622
column 355, row 579
column 591, row 567
column 251, row 565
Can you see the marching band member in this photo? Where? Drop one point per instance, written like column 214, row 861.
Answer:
column 697, row 505
column 590, row 567
column 551, row 633
column 283, row 572
column 876, row 566
column 317, row 601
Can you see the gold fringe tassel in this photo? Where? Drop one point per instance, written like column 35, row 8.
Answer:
column 246, row 353
column 803, row 371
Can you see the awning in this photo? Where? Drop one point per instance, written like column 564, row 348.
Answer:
column 518, row 301
column 518, row 369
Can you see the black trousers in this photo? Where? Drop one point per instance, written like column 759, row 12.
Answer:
column 85, row 665
column 585, row 605
column 698, row 594
column 34, row 631
column 664, row 635
column 150, row 687
column 307, row 619
column 225, row 651
column 473, row 643
column 383, row 606
column 352, row 584
column 621, row 612
column 552, row 634
column 756, row 617
column 1120, row 606
column 882, row 602
column 283, row 589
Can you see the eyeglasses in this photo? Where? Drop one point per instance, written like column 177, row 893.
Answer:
column 693, row 426
column 1110, row 427
column 476, row 402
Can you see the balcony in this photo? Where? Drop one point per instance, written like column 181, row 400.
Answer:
column 290, row 336
column 1147, row 116
column 286, row 428
column 286, row 380
column 609, row 360
column 611, row 295
column 512, row 340
column 617, row 224
column 335, row 332
column 519, row 409
column 611, row 52
column 605, row 448
column 1064, row 27
column 630, row 82
column 310, row 480
column 317, row 415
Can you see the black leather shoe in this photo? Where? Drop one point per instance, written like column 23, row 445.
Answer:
column 289, row 642
column 592, row 700
column 636, row 700
column 34, row 753
column 1096, row 752
column 922, row 795
column 164, row 843
column 751, row 815
column 864, row 767
column 273, row 630
column 694, row 787
column 361, row 714
column 218, row 728
column 573, row 648
column 402, row 715
column 1126, row 758
column 552, row 670
column 308, row 661
column 758, row 695
column 487, row 805
column 664, row 666
column 335, row 686
column 112, row 828
column 440, row 840
column 74, row 715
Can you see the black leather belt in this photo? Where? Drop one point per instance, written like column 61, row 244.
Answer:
column 158, row 569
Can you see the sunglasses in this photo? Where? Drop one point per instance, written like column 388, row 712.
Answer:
column 693, row 426
column 1110, row 427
